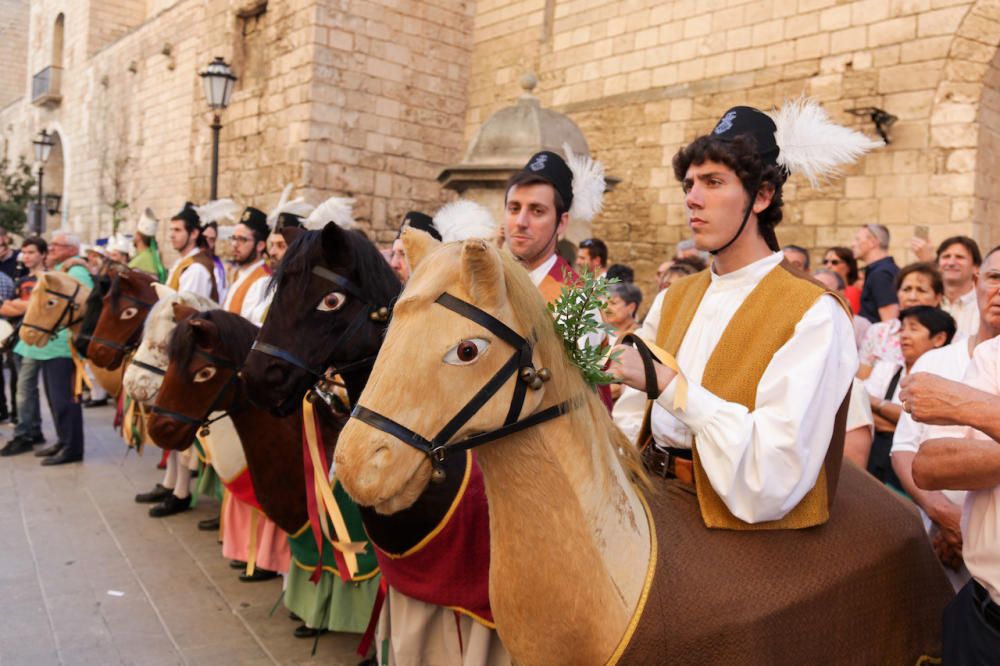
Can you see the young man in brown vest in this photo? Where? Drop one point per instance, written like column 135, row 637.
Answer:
column 764, row 355
column 248, row 281
column 193, row 271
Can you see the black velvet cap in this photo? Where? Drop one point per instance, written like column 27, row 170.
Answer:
column 421, row 221
column 255, row 220
column 189, row 215
column 287, row 220
column 741, row 120
column 553, row 168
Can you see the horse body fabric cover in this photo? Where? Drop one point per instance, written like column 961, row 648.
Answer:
column 864, row 588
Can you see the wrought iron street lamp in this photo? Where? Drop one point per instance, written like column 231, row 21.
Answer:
column 219, row 82
column 43, row 147
column 52, row 201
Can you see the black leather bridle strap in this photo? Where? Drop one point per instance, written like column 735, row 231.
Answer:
column 338, row 280
column 484, row 319
column 150, row 368
column 288, row 357
column 70, row 306
column 387, row 425
column 652, row 383
column 231, row 382
column 176, row 416
column 110, row 343
column 479, row 399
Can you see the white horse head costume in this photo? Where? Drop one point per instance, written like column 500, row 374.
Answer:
column 140, row 383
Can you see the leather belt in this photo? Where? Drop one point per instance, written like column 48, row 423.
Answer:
column 987, row 607
column 669, row 465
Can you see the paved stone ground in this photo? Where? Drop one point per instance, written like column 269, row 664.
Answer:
column 86, row 577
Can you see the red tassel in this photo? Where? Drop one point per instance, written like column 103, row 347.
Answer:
column 369, row 636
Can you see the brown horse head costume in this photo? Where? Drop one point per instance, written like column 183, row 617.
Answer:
column 119, row 328
column 585, row 566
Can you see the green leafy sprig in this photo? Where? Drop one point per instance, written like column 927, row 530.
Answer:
column 576, row 314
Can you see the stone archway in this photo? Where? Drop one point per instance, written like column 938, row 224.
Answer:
column 965, row 126
column 55, row 178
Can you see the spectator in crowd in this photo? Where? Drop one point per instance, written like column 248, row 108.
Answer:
column 916, row 284
column 276, row 248
column 57, row 366
column 972, row 620
column 7, row 292
column 797, row 256
column 686, row 250
column 8, row 256
column 834, row 282
column 94, row 255
column 924, row 327
column 661, row 275
column 942, row 510
column 841, row 261
column 621, row 272
column 878, row 296
column 28, row 430
column 624, row 299
column 680, row 268
column 592, row 256
column 958, row 259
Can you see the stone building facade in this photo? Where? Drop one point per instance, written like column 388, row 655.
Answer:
column 374, row 98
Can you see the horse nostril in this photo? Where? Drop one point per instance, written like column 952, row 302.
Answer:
column 273, row 375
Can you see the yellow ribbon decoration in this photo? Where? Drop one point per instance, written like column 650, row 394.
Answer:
column 80, row 375
column 326, row 504
column 204, row 438
column 252, row 546
column 667, row 359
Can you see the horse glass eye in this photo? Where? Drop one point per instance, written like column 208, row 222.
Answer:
column 128, row 313
column 204, row 374
column 52, row 302
column 466, row 351
column 332, row 302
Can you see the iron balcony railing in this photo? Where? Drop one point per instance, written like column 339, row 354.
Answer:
column 46, row 85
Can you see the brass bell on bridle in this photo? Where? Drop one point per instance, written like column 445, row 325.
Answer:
column 381, row 314
column 204, row 432
column 438, row 474
column 535, row 378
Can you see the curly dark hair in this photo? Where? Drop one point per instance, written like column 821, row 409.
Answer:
column 740, row 155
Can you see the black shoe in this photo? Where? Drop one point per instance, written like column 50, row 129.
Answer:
column 16, row 446
column 157, row 494
column 37, row 439
column 49, row 450
column 293, row 616
column 236, row 564
column 209, row 524
column 258, row 575
column 308, row 632
column 168, row 507
column 95, row 403
column 63, row 457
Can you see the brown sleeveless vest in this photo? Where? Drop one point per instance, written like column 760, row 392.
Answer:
column 198, row 257
column 760, row 327
column 259, row 273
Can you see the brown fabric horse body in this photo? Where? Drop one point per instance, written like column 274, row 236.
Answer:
column 119, row 328
column 582, row 572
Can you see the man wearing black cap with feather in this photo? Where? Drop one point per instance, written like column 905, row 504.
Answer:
column 249, row 278
column 764, row 356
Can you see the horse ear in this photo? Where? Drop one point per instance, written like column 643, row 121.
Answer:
column 417, row 244
column 183, row 312
column 162, row 290
column 206, row 333
column 290, row 233
column 482, row 273
column 335, row 249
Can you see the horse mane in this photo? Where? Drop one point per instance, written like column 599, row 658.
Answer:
column 567, row 380
column 370, row 271
column 235, row 337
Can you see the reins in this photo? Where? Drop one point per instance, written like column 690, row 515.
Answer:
column 204, row 421
column 520, row 364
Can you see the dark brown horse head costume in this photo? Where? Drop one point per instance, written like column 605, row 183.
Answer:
column 126, row 302
column 206, row 350
column 334, row 294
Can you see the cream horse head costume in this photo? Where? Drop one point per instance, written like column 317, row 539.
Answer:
column 580, row 571
column 568, row 467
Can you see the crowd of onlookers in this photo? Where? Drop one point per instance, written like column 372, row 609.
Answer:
column 926, row 316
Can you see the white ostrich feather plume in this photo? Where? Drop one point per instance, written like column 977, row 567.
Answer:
column 296, row 206
column 588, row 185
column 214, row 211
column 334, row 209
column 463, row 219
column 812, row 145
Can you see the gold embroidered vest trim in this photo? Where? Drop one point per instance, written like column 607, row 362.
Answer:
column 259, row 273
column 760, row 327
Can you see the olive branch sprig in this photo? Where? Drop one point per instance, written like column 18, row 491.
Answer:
column 576, row 315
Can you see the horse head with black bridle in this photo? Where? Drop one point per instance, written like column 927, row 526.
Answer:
column 57, row 302
column 125, row 304
column 334, row 293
